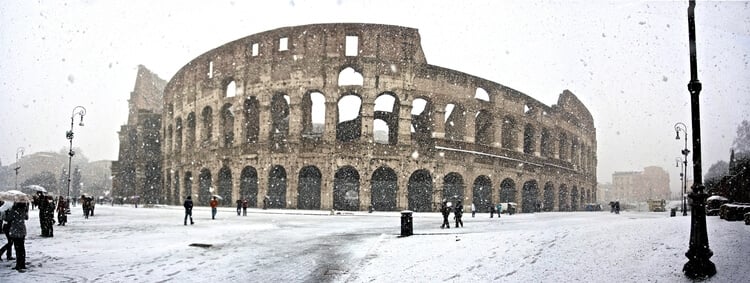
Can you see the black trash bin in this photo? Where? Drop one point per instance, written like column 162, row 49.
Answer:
column 672, row 212
column 407, row 226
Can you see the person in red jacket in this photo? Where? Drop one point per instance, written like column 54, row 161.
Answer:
column 214, row 203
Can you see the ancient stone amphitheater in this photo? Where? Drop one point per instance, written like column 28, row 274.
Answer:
column 352, row 117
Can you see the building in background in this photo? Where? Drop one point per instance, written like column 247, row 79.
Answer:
column 635, row 186
column 137, row 172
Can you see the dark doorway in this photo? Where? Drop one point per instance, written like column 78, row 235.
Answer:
column 249, row 186
column 346, row 189
column 384, row 186
column 482, row 194
column 309, row 188
column 277, row 187
column 420, row 191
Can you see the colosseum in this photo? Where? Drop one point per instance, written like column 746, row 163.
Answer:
column 352, row 117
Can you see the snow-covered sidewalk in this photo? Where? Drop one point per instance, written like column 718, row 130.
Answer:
column 123, row 244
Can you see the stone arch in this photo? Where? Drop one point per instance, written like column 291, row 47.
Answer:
column 507, row 190
column 482, row 193
column 349, row 76
column 251, row 114
column 169, row 139
column 455, row 122
column 249, row 185
column 453, row 187
column 227, row 125
column 207, row 121
column 582, row 203
column 384, row 185
column 481, row 94
column 530, row 198
column 178, row 134
column 420, row 191
column 205, row 190
column 549, row 197
column 190, row 140
column 546, row 143
column 386, row 111
column 277, row 187
column 508, row 139
column 574, row 199
column 421, row 120
column 224, row 186
column 346, row 189
column 529, row 139
column 279, row 119
column 308, row 189
column 483, row 128
column 348, row 128
column 230, row 88
column 563, row 147
column 562, row 195
column 313, row 114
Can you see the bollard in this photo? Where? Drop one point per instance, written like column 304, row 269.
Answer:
column 407, row 226
column 672, row 212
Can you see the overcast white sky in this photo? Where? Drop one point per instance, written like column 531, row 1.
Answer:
column 627, row 61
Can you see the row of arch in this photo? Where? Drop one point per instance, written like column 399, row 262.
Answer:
column 421, row 192
column 535, row 139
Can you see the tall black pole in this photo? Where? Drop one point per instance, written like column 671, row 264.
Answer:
column 69, row 135
column 699, row 264
column 684, row 177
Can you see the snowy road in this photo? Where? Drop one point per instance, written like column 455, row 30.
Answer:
column 124, row 244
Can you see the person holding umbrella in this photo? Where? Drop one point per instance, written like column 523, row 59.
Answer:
column 7, row 248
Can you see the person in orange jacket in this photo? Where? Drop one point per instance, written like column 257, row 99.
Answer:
column 214, row 203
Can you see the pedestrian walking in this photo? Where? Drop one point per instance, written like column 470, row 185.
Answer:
column 17, row 217
column 62, row 210
column 457, row 213
column 214, row 203
column 46, row 213
column 499, row 209
column 617, row 207
column 446, row 211
column 473, row 210
column 492, row 211
column 239, row 206
column 265, row 202
column 8, row 247
column 244, row 207
column 188, row 204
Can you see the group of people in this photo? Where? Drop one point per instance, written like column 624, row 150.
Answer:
column 614, row 207
column 214, row 203
column 458, row 212
column 13, row 222
column 493, row 209
column 47, row 209
column 88, row 204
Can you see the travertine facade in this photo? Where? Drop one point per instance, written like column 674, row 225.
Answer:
column 652, row 183
column 266, row 115
column 137, row 171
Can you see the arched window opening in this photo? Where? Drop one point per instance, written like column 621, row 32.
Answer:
column 346, row 189
column 170, row 135
column 249, row 185
column 453, row 187
column 208, row 124
column 385, row 119
column 483, row 128
column 529, row 140
column 279, row 119
column 349, row 76
column 546, row 143
column 309, row 188
column 508, row 133
column 530, row 202
column 178, row 134
column 563, row 203
column 314, row 115
column 482, row 94
column 563, row 148
column 455, row 122
column 549, row 197
column 227, row 124
column 421, row 119
column 225, row 186
column 384, row 184
column 349, row 125
column 276, row 197
column 482, row 194
column 230, row 90
column 252, row 116
column 188, row 185
column 204, row 187
column 419, row 191
column 190, row 130
column 507, row 191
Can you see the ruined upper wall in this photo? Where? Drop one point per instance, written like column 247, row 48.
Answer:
column 146, row 95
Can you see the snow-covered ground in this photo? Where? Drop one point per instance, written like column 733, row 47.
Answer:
column 125, row 244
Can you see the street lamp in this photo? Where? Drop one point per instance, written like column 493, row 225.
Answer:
column 678, row 162
column 78, row 110
column 677, row 128
column 699, row 263
column 18, row 167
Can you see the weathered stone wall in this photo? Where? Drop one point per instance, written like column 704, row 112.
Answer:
column 246, row 106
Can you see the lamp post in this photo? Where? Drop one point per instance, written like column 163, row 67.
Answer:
column 683, row 182
column 677, row 128
column 78, row 110
column 18, row 167
column 699, row 263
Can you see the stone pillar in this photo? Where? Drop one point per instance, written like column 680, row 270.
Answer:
column 438, row 122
